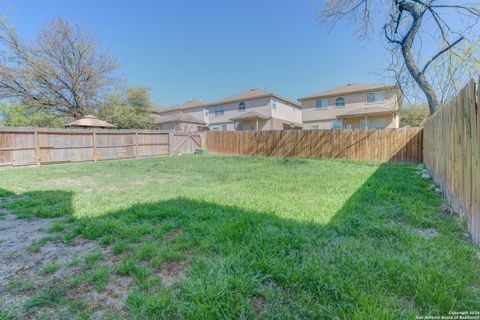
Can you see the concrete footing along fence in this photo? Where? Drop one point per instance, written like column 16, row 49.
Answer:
column 452, row 154
column 30, row 146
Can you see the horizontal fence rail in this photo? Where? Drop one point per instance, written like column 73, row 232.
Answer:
column 31, row 146
column 395, row 145
column 452, row 154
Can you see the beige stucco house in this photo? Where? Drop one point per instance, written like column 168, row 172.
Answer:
column 187, row 116
column 255, row 109
column 352, row 106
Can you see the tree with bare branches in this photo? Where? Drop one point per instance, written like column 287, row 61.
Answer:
column 406, row 22
column 61, row 70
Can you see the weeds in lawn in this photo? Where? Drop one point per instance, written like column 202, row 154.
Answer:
column 120, row 247
column 275, row 239
column 99, row 277
column 20, row 284
column 56, row 227
column 51, row 268
column 92, row 258
column 9, row 255
column 37, row 245
column 46, row 297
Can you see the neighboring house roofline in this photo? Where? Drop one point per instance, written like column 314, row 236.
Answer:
column 252, row 94
column 190, row 104
column 348, row 90
column 155, row 108
column 180, row 117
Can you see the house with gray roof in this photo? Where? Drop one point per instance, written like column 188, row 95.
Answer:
column 352, row 106
column 254, row 109
column 187, row 116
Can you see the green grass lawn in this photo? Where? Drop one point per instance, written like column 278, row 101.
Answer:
column 257, row 237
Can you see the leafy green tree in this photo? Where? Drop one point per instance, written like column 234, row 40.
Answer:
column 21, row 115
column 413, row 116
column 126, row 108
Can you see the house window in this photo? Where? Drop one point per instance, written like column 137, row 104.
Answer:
column 380, row 123
column 218, row 111
column 205, row 111
column 224, row 127
column 375, row 97
column 340, row 102
column 241, row 106
column 315, row 127
column 348, row 126
column 274, row 104
column 321, row 104
column 363, row 124
column 336, row 124
column 240, row 126
column 215, row 128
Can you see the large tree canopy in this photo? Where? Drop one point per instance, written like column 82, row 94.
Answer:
column 126, row 108
column 406, row 25
column 61, row 70
column 21, row 115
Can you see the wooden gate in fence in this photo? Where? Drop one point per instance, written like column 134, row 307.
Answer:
column 452, row 154
column 26, row 146
column 396, row 145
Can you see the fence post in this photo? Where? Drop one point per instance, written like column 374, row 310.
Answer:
column 170, row 142
column 136, row 144
column 94, row 145
column 37, row 148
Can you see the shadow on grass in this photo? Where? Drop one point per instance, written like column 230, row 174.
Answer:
column 372, row 260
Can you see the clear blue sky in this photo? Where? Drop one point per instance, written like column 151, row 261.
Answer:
column 208, row 49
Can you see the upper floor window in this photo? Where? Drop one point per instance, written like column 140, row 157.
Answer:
column 336, row 124
column 242, row 106
column 219, row 111
column 340, row 102
column 376, row 97
column 321, row 104
column 205, row 111
column 274, row 104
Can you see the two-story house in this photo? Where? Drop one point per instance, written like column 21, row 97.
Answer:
column 352, row 106
column 255, row 109
column 188, row 116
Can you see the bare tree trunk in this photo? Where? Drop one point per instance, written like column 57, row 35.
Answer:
column 406, row 45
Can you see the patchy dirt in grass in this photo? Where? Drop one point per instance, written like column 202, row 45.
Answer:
column 27, row 248
column 169, row 236
column 21, row 262
column 259, row 304
column 81, row 181
column 173, row 271
column 427, row 233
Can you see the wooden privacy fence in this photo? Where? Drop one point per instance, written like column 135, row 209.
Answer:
column 396, row 145
column 452, row 150
column 28, row 146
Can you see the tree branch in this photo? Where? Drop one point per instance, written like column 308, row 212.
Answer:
column 442, row 52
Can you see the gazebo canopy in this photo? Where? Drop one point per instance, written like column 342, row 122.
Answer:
column 90, row 121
